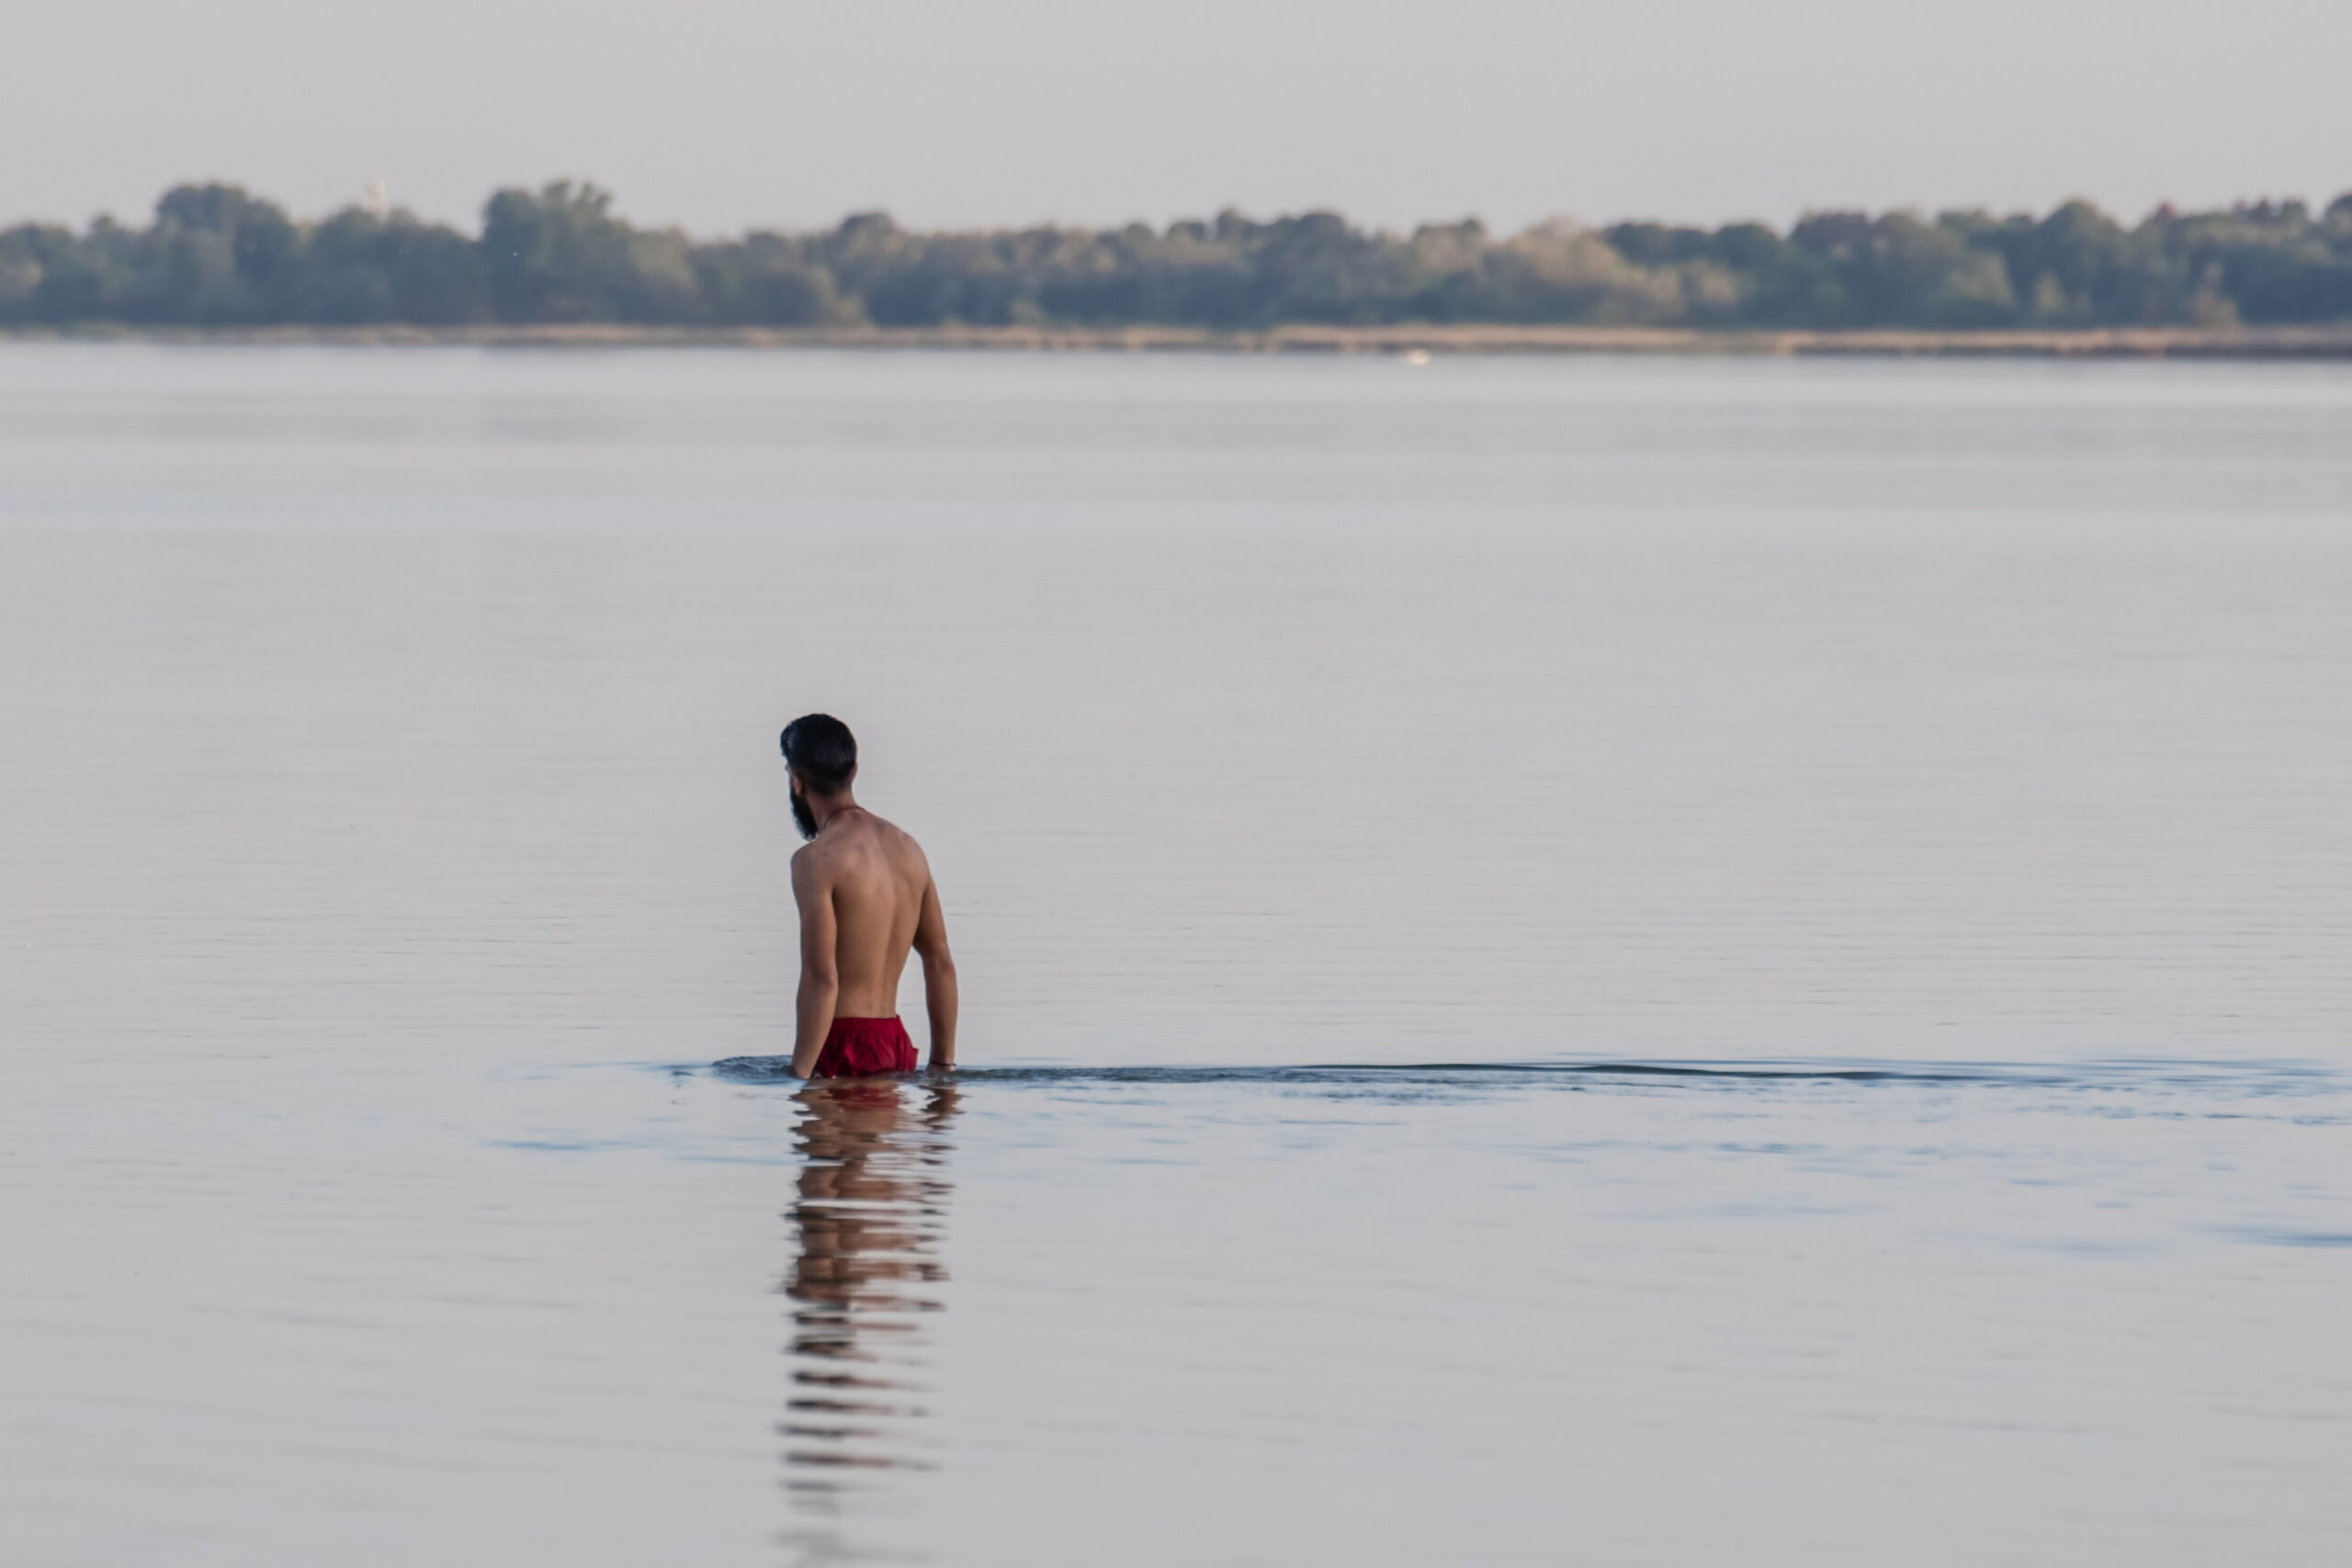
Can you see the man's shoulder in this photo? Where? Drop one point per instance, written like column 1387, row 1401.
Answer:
column 832, row 854
column 811, row 860
column 896, row 846
column 903, row 842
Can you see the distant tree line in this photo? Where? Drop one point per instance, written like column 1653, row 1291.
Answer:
column 215, row 256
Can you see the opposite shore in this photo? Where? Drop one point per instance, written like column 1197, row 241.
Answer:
column 2314, row 343
column 558, row 264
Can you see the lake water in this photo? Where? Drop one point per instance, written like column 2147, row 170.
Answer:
column 1654, row 961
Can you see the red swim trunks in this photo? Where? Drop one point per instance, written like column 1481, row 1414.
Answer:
column 860, row 1046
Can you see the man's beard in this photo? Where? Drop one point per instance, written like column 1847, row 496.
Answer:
column 800, row 816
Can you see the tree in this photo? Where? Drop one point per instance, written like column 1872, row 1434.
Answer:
column 556, row 254
column 216, row 256
column 362, row 268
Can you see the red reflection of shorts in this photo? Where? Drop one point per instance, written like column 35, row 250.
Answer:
column 860, row 1046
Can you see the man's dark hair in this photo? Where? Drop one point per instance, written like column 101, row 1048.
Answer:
column 821, row 750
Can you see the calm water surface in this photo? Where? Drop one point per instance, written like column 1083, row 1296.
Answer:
column 1570, row 960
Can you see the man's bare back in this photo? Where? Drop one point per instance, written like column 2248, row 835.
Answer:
column 866, row 901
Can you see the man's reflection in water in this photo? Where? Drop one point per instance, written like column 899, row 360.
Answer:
column 870, row 1211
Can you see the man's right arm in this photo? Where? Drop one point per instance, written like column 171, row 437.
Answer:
column 819, row 974
column 938, row 977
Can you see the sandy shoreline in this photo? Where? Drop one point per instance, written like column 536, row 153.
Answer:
column 2277, row 342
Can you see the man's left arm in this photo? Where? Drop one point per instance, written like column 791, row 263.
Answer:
column 821, row 981
column 938, row 978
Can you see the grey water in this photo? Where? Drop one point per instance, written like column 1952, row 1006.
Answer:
column 1645, row 962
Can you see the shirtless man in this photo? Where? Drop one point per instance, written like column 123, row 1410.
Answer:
column 867, row 899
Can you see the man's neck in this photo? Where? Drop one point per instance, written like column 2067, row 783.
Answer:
column 832, row 806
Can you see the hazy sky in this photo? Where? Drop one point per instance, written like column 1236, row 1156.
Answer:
column 722, row 114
